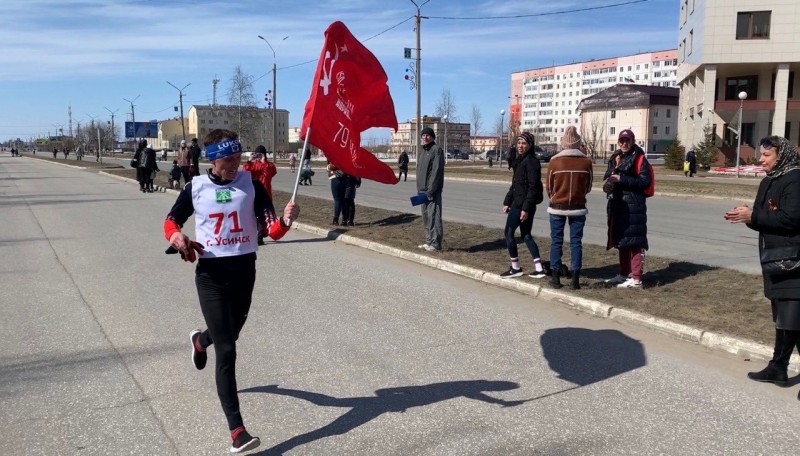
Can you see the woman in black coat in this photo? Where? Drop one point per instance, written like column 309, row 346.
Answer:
column 776, row 217
column 520, row 204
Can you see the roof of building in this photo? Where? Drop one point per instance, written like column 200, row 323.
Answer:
column 596, row 60
column 231, row 107
column 631, row 96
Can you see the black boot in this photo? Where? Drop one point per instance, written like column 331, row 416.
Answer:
column 770, row 374
column 575, row 284
column 555, row 278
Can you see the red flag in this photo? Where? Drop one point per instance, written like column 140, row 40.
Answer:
column 348, row 96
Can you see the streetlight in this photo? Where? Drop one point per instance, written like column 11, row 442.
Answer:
column 502, row 131
column 133, row 117
column 742, row 97
column 98, row 131
column 113, row 133
column 274, row 98
column 180, row 99
column 444, row 117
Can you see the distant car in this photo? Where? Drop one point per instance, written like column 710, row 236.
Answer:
column 458, row 155
column 543, row 154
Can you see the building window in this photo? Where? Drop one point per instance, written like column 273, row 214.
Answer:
column 666, row 130
column 738, row 84
column 611, row 147
column 691, row 39
column 655, row 147
column 612, row 130
column 753, row 25
column 790, row 91
column 613, row 113
column 655, row 113
column 669, row 113
column 655, row 130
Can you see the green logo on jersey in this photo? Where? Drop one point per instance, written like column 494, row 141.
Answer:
column 224, row 196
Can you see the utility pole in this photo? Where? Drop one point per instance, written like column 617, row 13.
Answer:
column 418, row 23
column 274, row 99
column 180, row 98
column 133, row 117
column 113, row 132
column 69, row 113
column 98, row 132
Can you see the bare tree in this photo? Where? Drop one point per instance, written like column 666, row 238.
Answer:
column 477, row 122
column 446, row 106
column 241, row 95
column 592, row 134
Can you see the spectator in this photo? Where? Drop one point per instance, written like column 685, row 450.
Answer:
column 175, row 175
column 402, row 166
column 226, row 272
column 55, row 152
column 194, row 154
column 306, row 159
column 627, row 209
column 520, row 202
column 569, row 180
column 351, row 183
column 691, row 158
column 776, row 217
column 430, row 181
column 337, row 178
column 305, row 176
column 146, row 158
column 261, row 168
column 164, row 154
column 512, row 156
column 79, row 153
column 292, row 162
column 184, row 161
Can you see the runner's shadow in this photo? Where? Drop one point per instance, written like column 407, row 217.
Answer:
column 386, row 400
column 583, row 356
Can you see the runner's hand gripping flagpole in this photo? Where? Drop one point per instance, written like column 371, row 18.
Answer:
column 349, row 95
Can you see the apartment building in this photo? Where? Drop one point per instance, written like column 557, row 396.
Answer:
column 731, row 46
column 204, row 118
column 544, row 101
column 456, row 134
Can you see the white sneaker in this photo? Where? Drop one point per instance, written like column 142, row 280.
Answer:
column 422, row 246
column 430, row 248
column 537, row 275
column 630, row 283
column 617, row 279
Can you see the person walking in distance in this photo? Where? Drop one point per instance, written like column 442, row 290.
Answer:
column 775, row 215
column 569, row 180
column 625, row 183
column 292, row 162
column 402, row 166
column 227, row 205
column 520, row 202
column 430, row 181
column 194, row 154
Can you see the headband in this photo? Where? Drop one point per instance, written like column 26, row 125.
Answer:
column 223, row 149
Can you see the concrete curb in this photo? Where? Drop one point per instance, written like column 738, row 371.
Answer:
column 714, row 341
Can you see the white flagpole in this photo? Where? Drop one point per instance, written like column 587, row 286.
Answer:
column 300, row 168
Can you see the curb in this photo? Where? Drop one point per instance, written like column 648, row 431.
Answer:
column 715, row 341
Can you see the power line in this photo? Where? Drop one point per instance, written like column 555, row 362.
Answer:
column 552, row 13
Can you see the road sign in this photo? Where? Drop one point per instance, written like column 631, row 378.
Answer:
column 407, row 53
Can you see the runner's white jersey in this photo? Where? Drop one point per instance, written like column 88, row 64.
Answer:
column 225, row 222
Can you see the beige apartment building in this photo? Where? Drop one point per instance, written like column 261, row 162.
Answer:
column 650, row 112
column 731, row 46
column 544, row 101
column 451, row 136
column 204, row 118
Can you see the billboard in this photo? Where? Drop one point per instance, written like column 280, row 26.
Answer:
column 142, row 130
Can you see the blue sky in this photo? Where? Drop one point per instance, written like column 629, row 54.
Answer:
column 93, row 53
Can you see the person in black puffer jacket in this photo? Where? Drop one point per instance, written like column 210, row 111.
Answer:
column 776, row 217
column 520, row 204
column 627, row 210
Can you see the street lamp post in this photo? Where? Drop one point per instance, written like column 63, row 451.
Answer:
column 418, row 75
column 274, row 98
column 180, row 100
column 113, row 133
column 98, row 131
column 502, row 132
column 742, row 97
column 444, row 118
column 133, row 117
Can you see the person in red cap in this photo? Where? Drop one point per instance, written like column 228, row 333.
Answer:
column 228, row 206
column 625, row 184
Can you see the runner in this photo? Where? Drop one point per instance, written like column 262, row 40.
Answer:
column 227, row 204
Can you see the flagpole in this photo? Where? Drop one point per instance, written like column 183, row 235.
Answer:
column 299, row 170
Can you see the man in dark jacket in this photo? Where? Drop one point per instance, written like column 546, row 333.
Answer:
column 520, row 204
column 194, row 154
column 430, row 181
column 402, row 165
column 627, row 209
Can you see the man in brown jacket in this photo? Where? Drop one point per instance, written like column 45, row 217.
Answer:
column 569, row 180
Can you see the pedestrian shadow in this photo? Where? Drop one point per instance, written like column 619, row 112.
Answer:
column 399, row 219
column 386, row 400
column 489, row 246
column 297, row 241
column 583, row 356
column 674, row 272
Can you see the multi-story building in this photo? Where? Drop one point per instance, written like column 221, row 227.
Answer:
column 650, row 112
column 481, row 144
column 450, row 135
column 731, row 46
column 544, row 101
column 204, row 118
column 294, row 134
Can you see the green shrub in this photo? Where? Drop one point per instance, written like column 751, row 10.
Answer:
column 673, row 157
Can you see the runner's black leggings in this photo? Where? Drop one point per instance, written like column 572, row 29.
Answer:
column 225, row 289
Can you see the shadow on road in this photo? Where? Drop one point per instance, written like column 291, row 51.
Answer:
column 583, row 356
column 364, row 409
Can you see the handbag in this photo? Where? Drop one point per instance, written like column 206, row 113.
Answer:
column 134, row 163
column 780, row 261
column 686, row 167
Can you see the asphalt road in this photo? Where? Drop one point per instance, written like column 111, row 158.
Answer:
column 345, row 351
